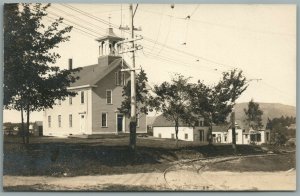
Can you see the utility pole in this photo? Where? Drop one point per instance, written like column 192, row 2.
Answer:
column 134, row 47
column 132, row 141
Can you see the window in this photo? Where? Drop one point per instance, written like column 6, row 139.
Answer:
column 70, row 100
column 123, row 80
column 201, row 135
column 246, row 136
column 104, row 119
column 108, row 97
column 236, row 137
column 59, row 120
column 173, row 136
column 186, row 136
column 159, row 135
column 119, row 78
column 82, row 97
column 49, row 121
column 258, row 137
column 70, row 120
column 225, row 138
column 267, row 136
column 117, row 81
column 201, row 123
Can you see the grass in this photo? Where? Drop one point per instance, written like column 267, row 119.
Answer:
column 50, row 156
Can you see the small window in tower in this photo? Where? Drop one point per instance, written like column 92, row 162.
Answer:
column 82, row 97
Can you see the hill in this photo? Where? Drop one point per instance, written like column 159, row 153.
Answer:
column 271, row 110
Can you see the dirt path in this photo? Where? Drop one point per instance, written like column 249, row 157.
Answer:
column 176, row 180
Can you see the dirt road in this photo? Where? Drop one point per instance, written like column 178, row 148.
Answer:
column 173, row 180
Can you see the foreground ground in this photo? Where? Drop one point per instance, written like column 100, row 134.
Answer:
column 105, row 164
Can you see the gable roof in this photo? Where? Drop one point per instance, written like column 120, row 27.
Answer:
column 90, row 75
column 221, row 128
column 161, row 121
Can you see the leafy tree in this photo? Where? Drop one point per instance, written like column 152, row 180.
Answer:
column 254, row 115
column 280, row 127
column 173, row 100
column 232, row 85
column 30, row 83
column 216, row 102
column 141, row 101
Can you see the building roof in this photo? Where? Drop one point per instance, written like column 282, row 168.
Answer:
column 90, row 75
column 110, row 35
column 221, row 128
column 161, row 121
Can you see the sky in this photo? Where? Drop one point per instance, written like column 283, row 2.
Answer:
column 196, row 40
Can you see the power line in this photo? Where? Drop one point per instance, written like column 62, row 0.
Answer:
column 225, row 25
column 85, row 22
column 75, row 28
column 148, row 39
column 103, row 21
column 167, row 36
column 96, row 32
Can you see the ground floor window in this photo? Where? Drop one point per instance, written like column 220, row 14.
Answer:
column 186, row 136
column 173, row 136
column 201, row 135
column 159, row 135
column 104, row 119
column 49, row 121
column 258, row 137
column 267, row 136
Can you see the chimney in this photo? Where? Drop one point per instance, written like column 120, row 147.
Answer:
column 70, row 64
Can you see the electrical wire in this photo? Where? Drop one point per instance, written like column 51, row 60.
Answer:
column 167, row 47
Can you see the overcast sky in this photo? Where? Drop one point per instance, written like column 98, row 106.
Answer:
column 258, row 39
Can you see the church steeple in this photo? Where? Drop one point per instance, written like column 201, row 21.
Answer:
column 108, row 44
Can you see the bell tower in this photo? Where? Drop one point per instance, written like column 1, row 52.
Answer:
column 108, row 47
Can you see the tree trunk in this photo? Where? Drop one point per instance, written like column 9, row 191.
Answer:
column 132, row 138
column 22, row 125
column 27, row 131
column 233, row 131
column 210, row 138
column 176, row 132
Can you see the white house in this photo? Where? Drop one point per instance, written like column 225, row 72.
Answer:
column 94, row 110
column 163, row 128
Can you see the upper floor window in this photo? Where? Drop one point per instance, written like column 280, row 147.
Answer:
column 108, row 96
column 59, row 120
column 82, row 97
column 49, row 121
column 119, row 78
column 201, row 123
column 70, row 120
column 70, row 100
